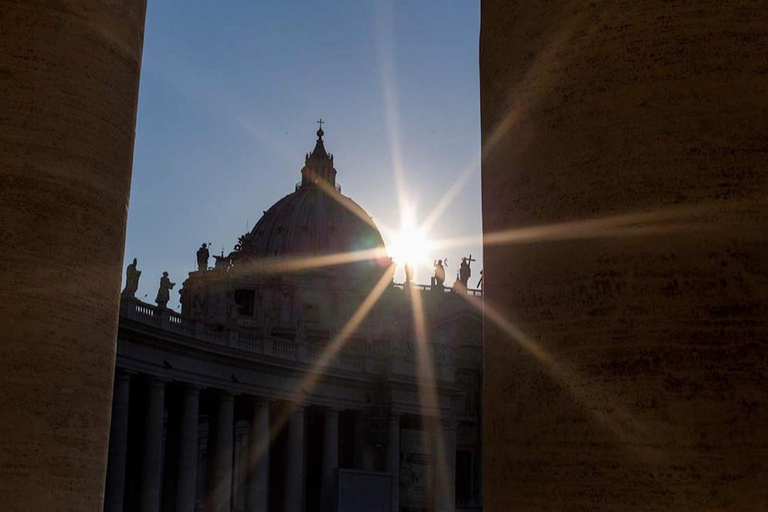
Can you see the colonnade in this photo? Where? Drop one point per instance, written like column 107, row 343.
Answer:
column 219, row 495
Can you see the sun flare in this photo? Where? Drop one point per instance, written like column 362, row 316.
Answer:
column 410, row 246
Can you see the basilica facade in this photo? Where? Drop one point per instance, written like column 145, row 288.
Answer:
column 299, row 376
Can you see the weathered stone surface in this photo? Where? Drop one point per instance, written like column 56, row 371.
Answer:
column 69, row 76
column 650, row 389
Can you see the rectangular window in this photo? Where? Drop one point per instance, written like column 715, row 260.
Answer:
column 244, row 299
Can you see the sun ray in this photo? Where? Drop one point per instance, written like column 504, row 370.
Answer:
column 276, row 265
column 447, row 198
column 308, row 383
column 347, row 203
column 615, row 421
column 348, row 329
column 519, row 99
column 427, row 386
column 661, row 221
column 385, row 49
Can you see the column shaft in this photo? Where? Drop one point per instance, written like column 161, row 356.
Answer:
column 69, row 89
column 294, row 474
column 186, row 476
column 118, row 444
column 393, row 457
column 640, row 335
column 444, row 467
column 359, row 441
column 330, row 457
column 258, row 484
column 222, row 469
column 152, row 464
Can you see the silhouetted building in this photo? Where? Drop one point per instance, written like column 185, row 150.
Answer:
column 299, row 337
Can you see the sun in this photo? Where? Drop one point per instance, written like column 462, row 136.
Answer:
column 410, row 246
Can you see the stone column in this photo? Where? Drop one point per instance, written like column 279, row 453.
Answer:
column 359, row 441
column 258, row 483
column 222, row 466
column 152, row 463
column 186, row 476
column 393, row 457
column 118, row 443
column 294, row 468
column 624, row 363
column 330, row 457
column 69, row 91
column 444, row 468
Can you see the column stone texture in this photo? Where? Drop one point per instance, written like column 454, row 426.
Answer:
column 258, row 483
column 625, row 358
column 152, row 461
column 330, row 460
column 294, row 469
column 444, row 454
column 118, row 444
column 186, row 476
column 393, row 457
column 223, row 450
column 69, row 90
column 359, row 441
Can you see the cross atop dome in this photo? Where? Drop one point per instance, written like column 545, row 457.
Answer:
column 318, row 165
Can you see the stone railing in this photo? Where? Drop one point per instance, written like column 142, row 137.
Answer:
column 445, row 289
column 238, row 339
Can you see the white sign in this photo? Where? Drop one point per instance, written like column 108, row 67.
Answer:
column 415, row 468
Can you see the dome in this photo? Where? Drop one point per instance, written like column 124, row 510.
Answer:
column 315, row 219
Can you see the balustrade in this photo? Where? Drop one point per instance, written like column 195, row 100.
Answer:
column 236, row 338
column 284, row 349
column 445, row 289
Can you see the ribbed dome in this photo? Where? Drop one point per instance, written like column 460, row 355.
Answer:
column 312, row 220
column 316, row 219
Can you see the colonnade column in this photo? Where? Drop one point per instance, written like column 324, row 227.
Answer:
column 359, row 441
column 258, row 476
column 222, row 469
column 393, row 457
column 330, row 457
column 186, row 476
column 118, row 444
column 444, row 468
column 69, row 87
column 294, row 471
column 152, row 464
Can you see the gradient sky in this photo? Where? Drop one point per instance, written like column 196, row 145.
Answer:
column 230, row 94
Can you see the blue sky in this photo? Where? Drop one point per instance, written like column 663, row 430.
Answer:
column 231, row 90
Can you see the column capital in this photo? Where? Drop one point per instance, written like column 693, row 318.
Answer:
column 157, row 382
column 123, row 374
column 226, row 396
column 191, row 389
column 297, row 406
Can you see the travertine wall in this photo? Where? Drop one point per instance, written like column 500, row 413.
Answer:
column 643, row 381
column 69, row 76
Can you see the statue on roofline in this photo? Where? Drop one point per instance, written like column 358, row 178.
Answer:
column 163, row 292
column 202, row 258
column 131, row 280
column 439, row 278
column 465, row 272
